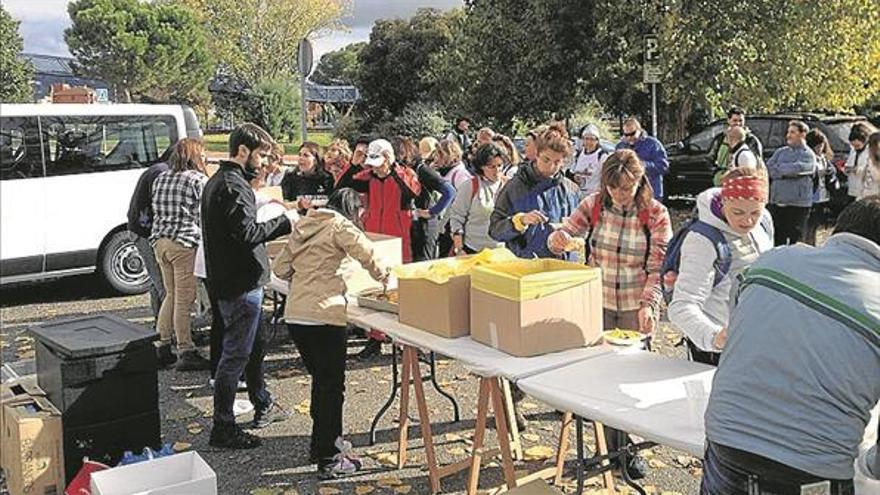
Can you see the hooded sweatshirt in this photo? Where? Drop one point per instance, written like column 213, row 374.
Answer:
column 314, row 262
column 698, row 309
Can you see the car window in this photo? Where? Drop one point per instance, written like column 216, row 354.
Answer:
column 761, row 129
column 85, row 144
column 20, row 148
column 776, row 139
column 838, row 133
column 702, row 141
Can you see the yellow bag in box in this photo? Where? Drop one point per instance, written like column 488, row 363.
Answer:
column 531, row 279
column 440, row 271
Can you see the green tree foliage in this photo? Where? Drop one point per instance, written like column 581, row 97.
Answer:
column 257, row 40
column 339, row 67
column 418, row 119
column 393, row 65
column 276, row 107
column 147, row 52
column 15, row 75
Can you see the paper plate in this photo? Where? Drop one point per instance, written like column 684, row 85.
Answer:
column 241, row 406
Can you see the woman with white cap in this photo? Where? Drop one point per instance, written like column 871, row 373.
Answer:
column 586, row 171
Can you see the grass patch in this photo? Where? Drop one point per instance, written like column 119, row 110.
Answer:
column 220, row 142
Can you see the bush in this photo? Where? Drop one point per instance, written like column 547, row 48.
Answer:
column 418, row 119
column 276, row 107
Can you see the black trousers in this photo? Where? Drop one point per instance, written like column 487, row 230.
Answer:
column 423, row 238
column 789, row 223
column 820, row 216
column 700, row 356
column 323, row 350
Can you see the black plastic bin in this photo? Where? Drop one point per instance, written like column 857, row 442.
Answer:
column 100, row 372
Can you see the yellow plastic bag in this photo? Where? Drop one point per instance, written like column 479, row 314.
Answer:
column 440, row 271
column 531, row 279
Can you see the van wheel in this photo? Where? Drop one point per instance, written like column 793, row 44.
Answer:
column 122, row 266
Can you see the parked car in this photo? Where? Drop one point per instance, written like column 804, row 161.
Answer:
column 691, row 160
column 67, row 173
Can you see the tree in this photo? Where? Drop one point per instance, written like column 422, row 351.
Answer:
column 516, row 60
column 418, row 119
column 147, row 52
column 15, row 77
column 276, row 107
column 393, row 65
column 257, row 40
column 339, row 67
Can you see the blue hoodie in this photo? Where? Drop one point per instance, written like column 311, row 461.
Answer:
column 653, row 156
column 528, row 190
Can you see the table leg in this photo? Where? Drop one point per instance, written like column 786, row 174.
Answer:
column 424, row 420
column 511, row 421
column 433, row 367
column 479, row 433
column 387, row 405
column 562, row 447
column 602, row 450
column 579, row 468
column 403, row 422
column 503, row 433
column 624, row 461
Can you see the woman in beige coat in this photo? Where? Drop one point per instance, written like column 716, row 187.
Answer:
column 315, row 314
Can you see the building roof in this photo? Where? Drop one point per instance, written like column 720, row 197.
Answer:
column 49, row 64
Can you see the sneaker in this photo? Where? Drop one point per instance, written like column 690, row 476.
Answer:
column 230, row 436
column 339, row 466
column 164, row 356
column 192, row 361
column 272, row 414
column 371, row 350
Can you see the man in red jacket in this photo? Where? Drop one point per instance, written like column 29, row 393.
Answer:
column 391, row 190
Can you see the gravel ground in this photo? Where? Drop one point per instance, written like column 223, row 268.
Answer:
column 280, row 466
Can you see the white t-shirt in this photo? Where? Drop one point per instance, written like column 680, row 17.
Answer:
column 587, row 170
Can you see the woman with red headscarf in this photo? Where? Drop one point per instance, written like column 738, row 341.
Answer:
column 701, row 300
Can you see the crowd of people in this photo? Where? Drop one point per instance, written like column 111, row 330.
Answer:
column 795, row 331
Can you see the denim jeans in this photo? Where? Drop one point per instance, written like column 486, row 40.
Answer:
column 323, row 350
column 242, row 352
column 157, row 289
column 729, row 471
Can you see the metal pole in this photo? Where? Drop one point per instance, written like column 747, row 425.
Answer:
column 654, row 109
column 304, row 105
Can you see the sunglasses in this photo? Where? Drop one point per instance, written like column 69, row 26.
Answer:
column 630, row 134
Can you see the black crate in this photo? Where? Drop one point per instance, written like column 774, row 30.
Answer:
column 97, row 389
column 106, row 442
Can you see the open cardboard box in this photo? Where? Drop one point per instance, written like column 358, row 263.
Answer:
column 388, row 249
column 439, row 308
column 14, row 392
column 533, row 307
column 32, row 441
column 185, row 473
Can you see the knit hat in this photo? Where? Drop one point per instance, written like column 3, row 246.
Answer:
column 590, row 130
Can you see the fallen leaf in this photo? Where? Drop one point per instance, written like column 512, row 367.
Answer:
column 457, row 451
column 363, row 489
column 453, row 437
column 389, row 481
column 303, row 407
column 264, row 491
column 656, row 463
column 528, row 405
column 683, row 460
column 531, row 437
column 181, row 446
column 403, row 489
column 537, row 453
column 386, row 459
column 304, row 381
column 179, row 388
column 328, row 490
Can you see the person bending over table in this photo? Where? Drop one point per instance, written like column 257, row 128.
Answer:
column 801, row 369
column 315, row 313
column 700, row 303
column 627, row 231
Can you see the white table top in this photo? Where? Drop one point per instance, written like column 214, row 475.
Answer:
column 476, row 357
column 638, row 392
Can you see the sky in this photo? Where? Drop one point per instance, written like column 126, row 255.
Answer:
column 43, row 22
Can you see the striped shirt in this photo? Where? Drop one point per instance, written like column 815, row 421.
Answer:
column 630, row 265
column 176, row 200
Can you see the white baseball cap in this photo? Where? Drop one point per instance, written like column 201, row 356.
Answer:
column 376, row 152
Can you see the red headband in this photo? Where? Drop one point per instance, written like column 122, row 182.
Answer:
column 753, row 188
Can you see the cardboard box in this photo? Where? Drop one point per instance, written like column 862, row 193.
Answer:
column 568, row 316
column 441, row 309
column 32, row 439
column 388, row 249
column 185, row 473
column 537, row 487
column 14, row 392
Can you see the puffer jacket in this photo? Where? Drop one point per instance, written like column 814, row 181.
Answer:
column 557, row 197
column 313, row 261
column 698, row 309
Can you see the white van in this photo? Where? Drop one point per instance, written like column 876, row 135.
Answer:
column 67, row 173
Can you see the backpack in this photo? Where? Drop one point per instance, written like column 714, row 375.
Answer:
column 596, row 212
column 723, row 256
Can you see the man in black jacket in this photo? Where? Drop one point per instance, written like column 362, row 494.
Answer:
column 237, row 269
column 140, row 223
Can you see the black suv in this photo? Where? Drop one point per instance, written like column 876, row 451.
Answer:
column 691, row 161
